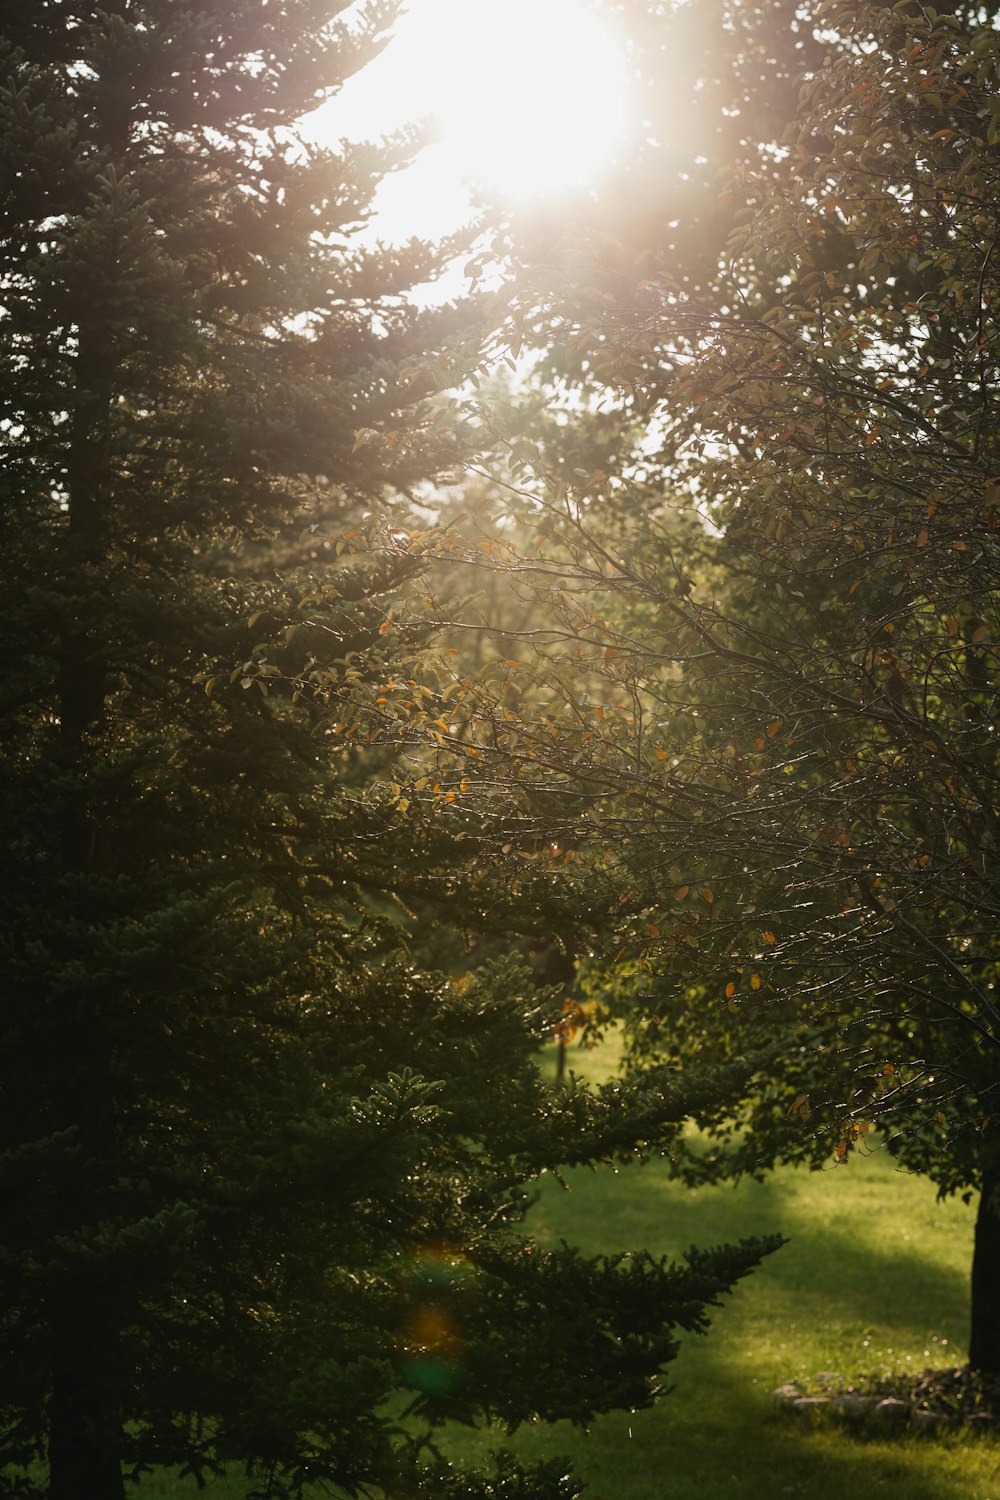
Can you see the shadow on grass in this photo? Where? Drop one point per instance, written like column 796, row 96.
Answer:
column 853, row 1269
column 696, row 1450
column 869, row 1254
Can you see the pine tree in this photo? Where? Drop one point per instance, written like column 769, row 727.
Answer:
column 258, row 1172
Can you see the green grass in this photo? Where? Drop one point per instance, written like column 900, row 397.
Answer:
column 874, row 1278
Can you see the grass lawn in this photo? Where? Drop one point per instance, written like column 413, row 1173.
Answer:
column 875, row 1277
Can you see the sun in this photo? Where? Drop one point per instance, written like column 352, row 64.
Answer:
column 530, row 95
column 527, row 99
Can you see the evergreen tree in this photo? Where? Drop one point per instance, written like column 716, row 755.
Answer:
column 258, row 1172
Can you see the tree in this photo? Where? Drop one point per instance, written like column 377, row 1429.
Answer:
column 781, row 591
column 259, row 1171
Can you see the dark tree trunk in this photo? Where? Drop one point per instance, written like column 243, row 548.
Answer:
column 85, row 1446
column 85, row 1425
column 984, row 1339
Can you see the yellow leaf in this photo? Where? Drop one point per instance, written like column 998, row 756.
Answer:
column 755, row 981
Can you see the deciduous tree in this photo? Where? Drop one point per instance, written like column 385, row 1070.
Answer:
column 777, row 601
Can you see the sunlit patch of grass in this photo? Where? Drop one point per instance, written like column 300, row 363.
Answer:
column 874, row 1279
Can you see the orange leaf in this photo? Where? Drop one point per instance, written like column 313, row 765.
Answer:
column 772, row 729
column 681, row 892
column 979, row 634
column 730, row 990
column 384, row 628
column 652, row 929
column 769, row 937
column 707, row 894
column 922, row 538
column 889, row 1068
column 841, row 1151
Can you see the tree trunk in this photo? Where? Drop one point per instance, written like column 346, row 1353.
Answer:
column 85, row 1422
column 85, row 1426
column 984, row 1339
